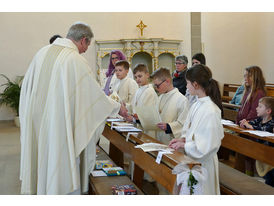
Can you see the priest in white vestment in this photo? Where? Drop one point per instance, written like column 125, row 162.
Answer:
column 172, row 105
column 62, row 113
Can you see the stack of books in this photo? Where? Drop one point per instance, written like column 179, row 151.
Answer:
column 114, row 171
column 100, row 164
column 124, row 190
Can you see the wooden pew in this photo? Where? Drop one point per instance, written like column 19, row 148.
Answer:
column 230, row 111
column 145, row 161
column 230, row 89
column 231, row 180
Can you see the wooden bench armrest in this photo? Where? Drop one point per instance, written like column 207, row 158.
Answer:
column 234, row 106
column 226, row 98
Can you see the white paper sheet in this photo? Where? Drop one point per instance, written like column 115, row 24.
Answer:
column 98, row 173
column 259, row 133
column 149, row 147
column 149, row 117
column 228, row 122
column 160, row 155
column 115, row 120
column 122, row 124
column 126, row 129
column 131, row 133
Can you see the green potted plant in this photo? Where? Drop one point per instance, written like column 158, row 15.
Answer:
column 11, row 94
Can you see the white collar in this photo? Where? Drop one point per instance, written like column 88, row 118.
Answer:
column 66, row 43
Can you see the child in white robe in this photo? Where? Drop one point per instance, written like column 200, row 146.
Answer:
column 126, row 87
column 202, row 132
column 172, row 105
column 145, row 95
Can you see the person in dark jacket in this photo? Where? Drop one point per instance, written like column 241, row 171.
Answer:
column 178, row 76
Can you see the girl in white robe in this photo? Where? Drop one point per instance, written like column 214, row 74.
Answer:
column 202, row 132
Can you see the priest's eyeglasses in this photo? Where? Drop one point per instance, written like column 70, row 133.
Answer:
column 158, row 85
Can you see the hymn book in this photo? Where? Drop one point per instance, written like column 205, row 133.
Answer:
column 149, row 117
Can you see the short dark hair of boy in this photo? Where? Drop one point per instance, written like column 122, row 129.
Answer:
column 52, row 39
column 140, row 68
column 269, row 103
column 123, row 63
column 162, row 74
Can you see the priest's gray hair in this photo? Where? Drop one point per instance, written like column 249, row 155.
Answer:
column 80, row 30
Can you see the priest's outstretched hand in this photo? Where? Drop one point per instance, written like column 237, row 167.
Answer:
column 123, row 110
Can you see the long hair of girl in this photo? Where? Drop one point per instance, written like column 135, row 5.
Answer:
column 203, row 76
column 258, row 82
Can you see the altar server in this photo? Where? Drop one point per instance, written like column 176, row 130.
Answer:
column 172, row 106
column 202, row 132
column 144, row 96
column 110, row 80
column 125, row 87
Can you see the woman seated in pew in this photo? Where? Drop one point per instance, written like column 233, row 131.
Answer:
column 202, row 132
column 254, row 90
column 264, row 122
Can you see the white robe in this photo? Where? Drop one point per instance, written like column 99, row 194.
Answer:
column 203, row 132
column 114, row 79
column 126, row 89
column 145, row 96
column 62, row 113
column 173, row 108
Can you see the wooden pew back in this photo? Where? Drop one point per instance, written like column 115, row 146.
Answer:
column 230, row 89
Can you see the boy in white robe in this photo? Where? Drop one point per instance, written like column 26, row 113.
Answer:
column 126, row 87
column 203, row 131
column 172, row 105
column 62, row 112
column 109, row 78
column 145, row 95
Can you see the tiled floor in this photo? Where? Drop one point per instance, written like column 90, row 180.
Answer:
column 9, row 158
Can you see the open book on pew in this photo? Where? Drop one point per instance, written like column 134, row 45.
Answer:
column 149, row 147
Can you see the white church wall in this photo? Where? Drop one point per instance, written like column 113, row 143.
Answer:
column 22, row 34
column 234, row 41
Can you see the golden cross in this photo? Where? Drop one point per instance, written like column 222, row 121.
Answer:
column 141, row 26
